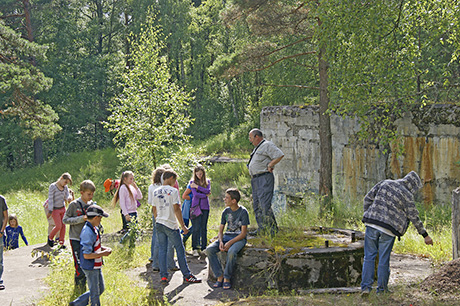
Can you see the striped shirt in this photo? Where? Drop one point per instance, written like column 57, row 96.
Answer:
column 56, row 197
column 97, row 248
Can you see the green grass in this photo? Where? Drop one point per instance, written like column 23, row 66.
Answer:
column 233, row 144
column 95, row 165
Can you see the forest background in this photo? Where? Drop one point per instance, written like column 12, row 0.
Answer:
column 148, row 76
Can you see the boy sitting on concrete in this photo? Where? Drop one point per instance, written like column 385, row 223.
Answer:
column 234, row 239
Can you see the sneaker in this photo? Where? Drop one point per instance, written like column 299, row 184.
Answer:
column 2, row 287
column 50, row 243
column 62, row 247
column 365, row 293
column 164, row 280
column 192, row 279
column 195, row 253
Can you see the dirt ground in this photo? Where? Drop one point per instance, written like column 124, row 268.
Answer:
column 23, row 275
column 24, row 279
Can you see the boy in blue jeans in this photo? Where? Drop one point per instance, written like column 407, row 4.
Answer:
column 237, row 219
column 167, row 212
column 91, row 256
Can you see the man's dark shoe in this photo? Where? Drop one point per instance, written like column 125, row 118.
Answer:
column 50, row 243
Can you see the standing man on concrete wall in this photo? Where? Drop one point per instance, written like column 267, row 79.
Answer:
column 263, row 159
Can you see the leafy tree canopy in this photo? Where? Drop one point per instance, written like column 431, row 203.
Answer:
column 148, row 117
column 20, row 81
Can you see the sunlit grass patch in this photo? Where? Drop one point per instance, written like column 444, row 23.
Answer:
column 28, row 207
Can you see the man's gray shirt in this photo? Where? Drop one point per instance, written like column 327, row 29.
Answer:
column 263, row 155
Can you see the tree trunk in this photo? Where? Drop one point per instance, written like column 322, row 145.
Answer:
column 38, row 143
column 325, row 136
column 232, row 100
column 38, row 151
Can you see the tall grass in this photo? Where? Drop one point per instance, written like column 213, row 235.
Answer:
column 234, row 143
column 94, row 165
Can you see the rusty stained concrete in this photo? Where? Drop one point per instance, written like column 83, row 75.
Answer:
column 432, row 150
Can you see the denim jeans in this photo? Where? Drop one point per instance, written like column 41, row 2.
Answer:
column 96, row 287
column 123, row 221
column 166, row 234
column 154, row 250
column 1, row 259
column 262, row 194
column 200, row 231
column 130, row 234
column 376, row 242
column 232, row 253
column 190, row 231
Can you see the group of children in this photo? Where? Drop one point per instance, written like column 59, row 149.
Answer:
column 84, row 217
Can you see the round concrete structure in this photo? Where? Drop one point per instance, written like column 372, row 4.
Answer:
column 336, row 263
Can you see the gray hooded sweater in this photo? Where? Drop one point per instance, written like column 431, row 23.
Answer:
column 390, row 204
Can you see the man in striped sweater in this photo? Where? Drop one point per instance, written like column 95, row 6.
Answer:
column 388, row 209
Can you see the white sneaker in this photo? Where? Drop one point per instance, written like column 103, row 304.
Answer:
column 195, row 253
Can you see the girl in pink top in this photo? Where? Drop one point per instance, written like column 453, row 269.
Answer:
column 127, row 194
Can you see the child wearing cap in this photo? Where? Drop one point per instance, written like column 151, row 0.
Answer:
column 75, row 216
column 91, row 256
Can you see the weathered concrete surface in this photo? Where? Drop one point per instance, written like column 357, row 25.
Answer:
column 301, row 268
column 430, row 137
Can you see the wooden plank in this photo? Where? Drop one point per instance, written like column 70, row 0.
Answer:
column 456, row 223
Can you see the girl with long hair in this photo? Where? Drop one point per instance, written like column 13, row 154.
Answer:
column 58, row 195
column 127, row 194
column 201, row 189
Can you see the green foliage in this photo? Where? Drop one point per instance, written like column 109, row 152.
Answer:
column 393, row 54
column 229, row 175
column 148, row 117
column 21, row 81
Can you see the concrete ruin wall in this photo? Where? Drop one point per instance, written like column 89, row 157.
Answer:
column 430, row 137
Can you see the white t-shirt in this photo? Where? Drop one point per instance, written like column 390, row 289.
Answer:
column 164, row 198
column 152, row 188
